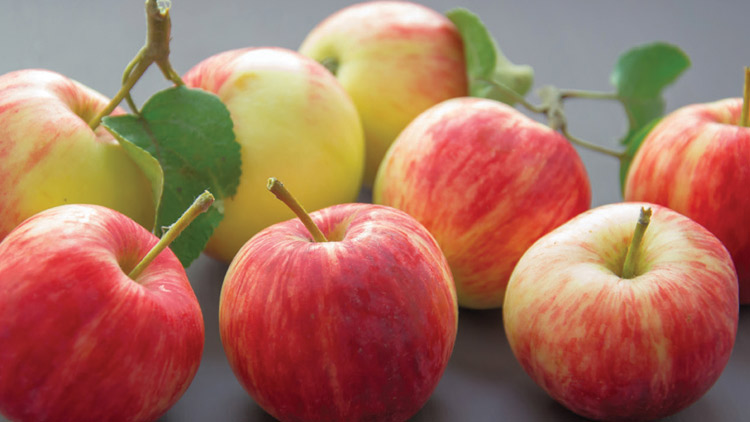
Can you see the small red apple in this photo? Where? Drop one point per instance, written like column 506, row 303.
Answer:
column 487, row 182
column 356, row 326
column 79, row 338
column 696, row 161
column 618, row 338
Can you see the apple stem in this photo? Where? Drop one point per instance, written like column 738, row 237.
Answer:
column 156, row 51
column 628, row 269
column 277, row 188
column 200, row 205
column 746, row 100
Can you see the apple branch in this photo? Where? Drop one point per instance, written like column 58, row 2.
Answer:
column 201, row 205
column 156, row 51
column 746, row 100
column 628, row 269
column 277, row 188
column 553, row 109
column 591, row 95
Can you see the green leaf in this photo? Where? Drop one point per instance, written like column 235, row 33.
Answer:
column 640, row 76
column 189, row 132
column 149, row 166
column 634, row 142
column 491, row 74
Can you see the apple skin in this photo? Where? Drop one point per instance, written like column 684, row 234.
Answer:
column 359, row 328
column 49, row 156
column 696, row 161
column 80, row 339
column 396, row 60
column 610, row 348
column 293, row 121
column 487, row 182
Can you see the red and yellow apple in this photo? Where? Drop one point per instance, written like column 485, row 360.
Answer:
column 292, row 120
column 49, row 156
column 81, row 340
column 487, row 182
column 395, row 59
column 356, row 328
column 612, row 347
column 696, row 161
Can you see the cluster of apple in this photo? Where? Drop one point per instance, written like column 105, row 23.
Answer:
column 351, row 312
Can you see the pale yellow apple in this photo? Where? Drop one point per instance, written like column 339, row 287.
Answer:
column 294, row 122
column 396, row 60
column 49, row 156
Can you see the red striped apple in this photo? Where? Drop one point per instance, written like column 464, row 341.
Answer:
column 619, row 332
column 357, row 325
column 292, row 119
column 49, row 156
column 696, row 161
column 487, row 182
column 79, row 338
column 395, row 59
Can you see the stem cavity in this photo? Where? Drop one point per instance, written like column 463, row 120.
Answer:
column 277, row 188
column 156, row 51
column 200, row 205
column 628, row 269
column 331, row 63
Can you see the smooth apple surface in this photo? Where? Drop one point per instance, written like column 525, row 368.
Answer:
column 80, row 339
column 396, row 60
column 696, row 161
column 293, row 121
column 487, row 182
column 359, row 328
column 49, row 156
column 611, row 348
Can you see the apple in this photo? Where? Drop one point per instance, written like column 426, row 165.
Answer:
column 696, row 161
column 81, row 339
column 357, row 325
column 49, row 156
column 487, row 182
column 292, row 119
column 614, row 332
column 395, row 59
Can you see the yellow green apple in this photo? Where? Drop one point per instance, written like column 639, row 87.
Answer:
column 294, row 121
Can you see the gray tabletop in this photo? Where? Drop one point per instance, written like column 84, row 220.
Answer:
column 571, row 44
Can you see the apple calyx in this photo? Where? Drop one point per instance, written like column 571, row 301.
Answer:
column 745, row 120
column 199, row 206
column 156, row 51
column 628, row 268
column 277, row 188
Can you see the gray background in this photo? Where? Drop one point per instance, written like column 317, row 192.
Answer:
column 570, row 44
